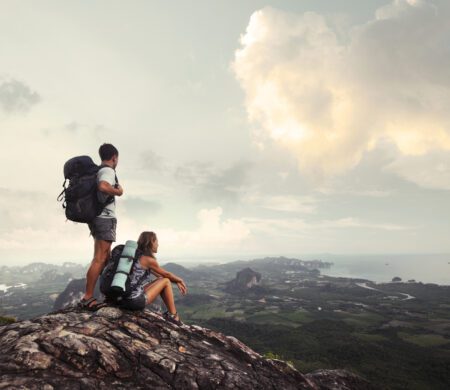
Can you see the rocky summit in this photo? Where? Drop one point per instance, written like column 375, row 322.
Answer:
column 118, row 349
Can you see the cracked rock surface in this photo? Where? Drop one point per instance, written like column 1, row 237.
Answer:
column 115, row 349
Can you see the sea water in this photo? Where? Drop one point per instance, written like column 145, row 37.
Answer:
column 426, row 268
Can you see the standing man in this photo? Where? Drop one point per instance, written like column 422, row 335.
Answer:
column 103, row 227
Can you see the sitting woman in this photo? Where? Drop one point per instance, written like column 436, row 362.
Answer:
column 143, row 289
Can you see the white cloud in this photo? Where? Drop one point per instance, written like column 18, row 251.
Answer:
column 299, row 226
column 377, row 193
column 287, row 203
column 351, row 222
column 16, row 96
column 329, row 96
column 212, row 234
column 38, row 231
column 235, row 236
column 431, row 170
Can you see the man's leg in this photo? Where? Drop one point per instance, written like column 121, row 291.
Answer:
column 102, row 250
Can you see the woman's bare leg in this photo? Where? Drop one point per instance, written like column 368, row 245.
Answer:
column 163, row 287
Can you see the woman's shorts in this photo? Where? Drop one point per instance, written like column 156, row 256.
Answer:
column 137, row 303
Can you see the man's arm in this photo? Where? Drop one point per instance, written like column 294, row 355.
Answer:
column 107, row 180
column 108, row 189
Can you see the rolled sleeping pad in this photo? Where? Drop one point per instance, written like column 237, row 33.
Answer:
column 124, row 267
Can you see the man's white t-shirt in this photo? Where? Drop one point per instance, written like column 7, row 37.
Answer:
column 109, row 175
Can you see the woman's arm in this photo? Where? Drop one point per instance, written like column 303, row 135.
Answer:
column 152, row 263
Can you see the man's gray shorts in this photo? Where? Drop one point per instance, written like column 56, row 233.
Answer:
column 103, row 228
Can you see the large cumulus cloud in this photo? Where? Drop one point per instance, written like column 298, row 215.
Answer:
column 330, row 93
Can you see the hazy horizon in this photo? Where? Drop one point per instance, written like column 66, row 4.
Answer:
column 226, row 258
column 379, row 268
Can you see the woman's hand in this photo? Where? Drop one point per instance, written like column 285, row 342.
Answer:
column 182, row 287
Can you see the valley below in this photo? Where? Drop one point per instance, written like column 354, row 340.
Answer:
column 395, row 334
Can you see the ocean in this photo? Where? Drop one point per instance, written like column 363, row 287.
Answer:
column 426, row 268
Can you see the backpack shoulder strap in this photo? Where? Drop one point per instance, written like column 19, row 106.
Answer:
column 116, row 252
column 115, row 174
column 137, row 256
column 110, row 198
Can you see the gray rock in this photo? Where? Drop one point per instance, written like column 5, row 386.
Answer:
column 115, row 349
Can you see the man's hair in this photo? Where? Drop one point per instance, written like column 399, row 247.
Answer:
column 107, row 151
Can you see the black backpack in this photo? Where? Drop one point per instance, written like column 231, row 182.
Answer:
column 80, row 200
column 110, row 270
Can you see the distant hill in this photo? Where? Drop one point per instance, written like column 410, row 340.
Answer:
column 178, row 270
column 269, row 264
column 245, row 279
column 36, row 272
column 72, row 294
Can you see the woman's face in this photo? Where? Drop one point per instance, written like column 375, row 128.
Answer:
column 155, row 245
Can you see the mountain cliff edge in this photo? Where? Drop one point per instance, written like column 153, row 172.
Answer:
column 118, row 349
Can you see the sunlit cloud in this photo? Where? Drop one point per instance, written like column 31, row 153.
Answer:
column 328, row 95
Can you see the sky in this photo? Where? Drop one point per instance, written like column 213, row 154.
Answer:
column 244, row 128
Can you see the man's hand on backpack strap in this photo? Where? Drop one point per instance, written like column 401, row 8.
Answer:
column 108, row 189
